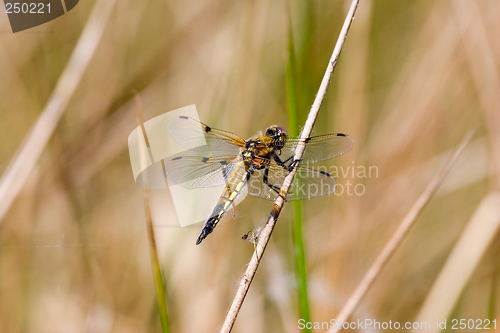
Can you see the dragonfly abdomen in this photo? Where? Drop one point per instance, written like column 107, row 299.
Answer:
column 235, row 183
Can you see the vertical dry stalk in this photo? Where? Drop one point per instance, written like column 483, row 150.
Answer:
column 476, row 238
column 398, row 236
column 153, row 251
column 278, row 204
column 33, row 145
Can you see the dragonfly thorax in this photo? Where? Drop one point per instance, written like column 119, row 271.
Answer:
column 248, row 154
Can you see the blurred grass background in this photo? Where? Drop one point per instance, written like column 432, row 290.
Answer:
column 414, row 76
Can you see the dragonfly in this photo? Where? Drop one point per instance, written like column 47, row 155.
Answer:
column 256, row 166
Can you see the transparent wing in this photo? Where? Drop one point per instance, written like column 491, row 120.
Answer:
column 307, row 183
column 193, row 135
column 196, row 172
column 319, row 148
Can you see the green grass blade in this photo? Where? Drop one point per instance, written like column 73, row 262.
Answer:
column 156, row 269
column 161, row 295
column 298, row 236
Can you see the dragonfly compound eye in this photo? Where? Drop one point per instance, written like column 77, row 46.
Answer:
column 281, row 130
column 271, row 131
column 276, row 132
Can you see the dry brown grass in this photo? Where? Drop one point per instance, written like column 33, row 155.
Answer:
column 415, row 76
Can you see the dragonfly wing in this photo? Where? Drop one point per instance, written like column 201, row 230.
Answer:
column 311, row 183
column 257, row 187
column 307, row 183
column 194, row 135
column 319, row 148
column 197, row 172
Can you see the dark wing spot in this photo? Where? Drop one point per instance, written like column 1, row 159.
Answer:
column 340, row 134
column 207, row 129
column 205, row 159
column 325, row 173
column 307, row 140
column 176, row 158
column 223, row 162
column 183, row 117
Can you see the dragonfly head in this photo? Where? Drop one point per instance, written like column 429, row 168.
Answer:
column 279, row 135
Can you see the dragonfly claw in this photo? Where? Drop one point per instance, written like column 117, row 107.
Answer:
column 293, row 164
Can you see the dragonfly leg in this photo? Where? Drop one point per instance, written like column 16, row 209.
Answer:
column 283, row 163
column 293, row 164
column 266, row 181
column 287, row 160
column 280, row 162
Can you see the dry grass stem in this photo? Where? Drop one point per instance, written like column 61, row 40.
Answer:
column 278, row 204
column 484, row 69
column 463, row 260
column 153, row 251
column 33, row 145
column 398, row 236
